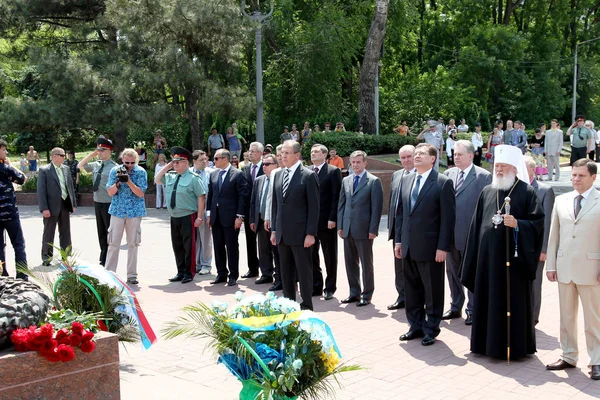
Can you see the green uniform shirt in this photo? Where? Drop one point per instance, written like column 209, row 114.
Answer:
column 101, row 195
column 189, row 188
column 581, row 136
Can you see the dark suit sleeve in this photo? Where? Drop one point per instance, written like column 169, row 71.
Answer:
column 210, row 191
column 447, row 215
column 274, row 204
column 335, row 185
column 42, row 189
column 313, row 203
column 399, row 215
column 252, row 215
column 243, row 194
column 341, row 206
column 376, row 206
column 548, row 206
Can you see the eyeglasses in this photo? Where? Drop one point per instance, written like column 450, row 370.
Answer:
column 128, row 163
column 216, row 158
column 60, row 155
column 266, row 164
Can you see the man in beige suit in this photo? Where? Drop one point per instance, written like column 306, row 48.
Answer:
column 573, row 259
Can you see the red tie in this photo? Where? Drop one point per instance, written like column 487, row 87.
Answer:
column 317, row 170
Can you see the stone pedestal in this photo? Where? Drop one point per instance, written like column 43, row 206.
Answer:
column 28, row 375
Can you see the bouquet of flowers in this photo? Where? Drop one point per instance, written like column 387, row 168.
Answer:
column 273, row 348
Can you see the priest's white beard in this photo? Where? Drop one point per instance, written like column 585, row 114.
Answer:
column 505, row 182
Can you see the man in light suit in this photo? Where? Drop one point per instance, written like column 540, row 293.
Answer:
column 359, row 213
column 294, row 222
column 204, row 246
column 545, row 196
column 424, row 228
column 406, row 158
column 251, row 171
column 573, row 259
column 469, row 180
column 258, row 210
column 330, row 181
column 56, row 199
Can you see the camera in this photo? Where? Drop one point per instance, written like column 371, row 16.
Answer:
column 122, row 174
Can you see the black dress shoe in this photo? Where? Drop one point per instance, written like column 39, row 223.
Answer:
column 264, row 279
column 275, row 287
column 428, row 340
column 46, row 263
column 559, row 365
column 410, row 335
column 187, row 279
column 595, row 372
column 231, row 282
column 219, row 279
column 328, row 295
column 396, row 306
column 351, row 300
column 176, row 278
column 469, row 319
column 451, row 314
column 317, row 293
column 250, row 274
column 363, row 302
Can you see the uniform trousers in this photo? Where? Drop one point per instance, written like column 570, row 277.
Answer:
column 183, row 240
column 102, row 225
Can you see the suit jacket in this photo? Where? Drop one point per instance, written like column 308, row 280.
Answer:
column 256, row 199
column 359, row 212
column 573, row 243
column 330, row 181
column 297, row 214
column 429, row 226
column 231, row 198
column 247, row 171
column 545, row 195
column 395, row 186
column 466, row 200
column 48, row 189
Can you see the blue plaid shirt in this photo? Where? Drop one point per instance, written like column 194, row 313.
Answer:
column 125, row 204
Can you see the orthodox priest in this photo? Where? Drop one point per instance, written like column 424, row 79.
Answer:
column 484, row 269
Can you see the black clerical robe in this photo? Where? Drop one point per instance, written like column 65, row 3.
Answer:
column 484, row 272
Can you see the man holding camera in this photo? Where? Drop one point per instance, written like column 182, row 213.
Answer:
column 127, row 184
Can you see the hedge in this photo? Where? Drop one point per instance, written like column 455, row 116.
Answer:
column 347, row 142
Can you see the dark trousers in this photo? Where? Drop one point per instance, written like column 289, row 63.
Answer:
column 277, row 271
column 296, row 261
column 251, row 247
column 355, row 250
column 477, row 157
column 265, row 249
column 183, row 239
column 326, row 239
column 102, row 225
column 424, row 285
column 578, row 153
column 15, row 233
column 399, row 275
column 537, row 291
column 63, row 220
column 457, row 290
column 227, row 249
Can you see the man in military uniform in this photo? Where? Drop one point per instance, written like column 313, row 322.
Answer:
column 100, row 170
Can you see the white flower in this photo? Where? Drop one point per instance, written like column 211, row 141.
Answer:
column 238, row 296
column 270, row 296
column 297, row 364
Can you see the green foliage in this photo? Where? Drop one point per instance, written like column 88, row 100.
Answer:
column 30, row 185
column 65, row 318
column 347, row 142
column 85, row 179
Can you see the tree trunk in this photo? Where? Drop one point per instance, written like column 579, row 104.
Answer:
column 370, row 64
column 120, row 138
column 191, row 105
column 500, row 7
column 510, row 7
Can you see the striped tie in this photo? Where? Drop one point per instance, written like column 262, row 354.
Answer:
column 461, row 180
column 286, row 181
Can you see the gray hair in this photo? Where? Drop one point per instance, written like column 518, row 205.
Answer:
column 258, row 145
column 407, row 148
column 271, row 156
column 130, row 153
column 529, row 162
column 224, row 153
column 321, row 147
column 359, row 153
column 467, row 145
column 295, row 145
column 278, row 148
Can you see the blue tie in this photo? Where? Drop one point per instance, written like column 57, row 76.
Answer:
column 220, row 182
column 356, row 179
column 415, row 193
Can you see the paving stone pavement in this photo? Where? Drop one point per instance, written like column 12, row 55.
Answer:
column 185, row 369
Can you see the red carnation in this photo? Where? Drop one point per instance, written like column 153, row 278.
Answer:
column 65, row 353
column 77, row 328
column 65, row 340
column 52, row 356
column 61, row 334
column 20, row 338
column 102, row 325
column 75, row 339
column 87, row 336
column 88, row 347
column 48, row 346
column 46, row 331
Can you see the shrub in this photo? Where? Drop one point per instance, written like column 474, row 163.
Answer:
column 347, row 142
column 30, row 185
column 85, row 179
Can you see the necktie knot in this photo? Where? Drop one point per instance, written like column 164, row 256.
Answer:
column 317, row 170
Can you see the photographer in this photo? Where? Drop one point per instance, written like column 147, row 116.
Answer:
column 126, row 184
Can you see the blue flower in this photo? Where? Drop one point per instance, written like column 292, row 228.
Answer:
column 236, row 365
column 266, row 353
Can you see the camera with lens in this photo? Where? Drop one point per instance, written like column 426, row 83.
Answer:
column 122, row 174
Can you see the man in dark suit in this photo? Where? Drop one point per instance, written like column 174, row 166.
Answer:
column 468, row 180
column 226, row 205
column 251, row 171
column 546, row 197
column 294, row 222
column 359, row 213
column 56, row 199
column 424, row 228
column 330, row 181
column 406, row 154
column 258, row 210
